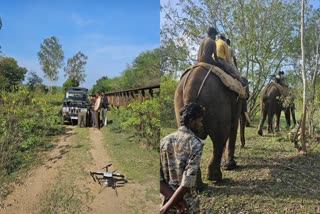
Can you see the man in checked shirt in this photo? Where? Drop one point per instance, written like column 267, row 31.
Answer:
column 180, row 155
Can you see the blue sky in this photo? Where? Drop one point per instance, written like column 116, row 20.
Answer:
column 111, row 33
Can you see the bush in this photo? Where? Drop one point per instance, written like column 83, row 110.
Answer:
column 167, row 116
column 27, row 117
column 143, row 117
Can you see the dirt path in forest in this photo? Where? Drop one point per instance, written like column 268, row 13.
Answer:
column 29, row 192
column 131, row 197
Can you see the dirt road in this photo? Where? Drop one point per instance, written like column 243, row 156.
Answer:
column 62, row 183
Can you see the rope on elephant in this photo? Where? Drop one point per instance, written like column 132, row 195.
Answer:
column 231, row 83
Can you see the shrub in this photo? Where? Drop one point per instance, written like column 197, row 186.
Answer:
column 27, row 117
column 143, row 117
column 167, row 116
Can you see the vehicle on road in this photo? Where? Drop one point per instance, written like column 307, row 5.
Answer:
column 75, row 103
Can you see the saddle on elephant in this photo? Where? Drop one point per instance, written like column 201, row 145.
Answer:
column 231, row 83
column 286, row 95
column 284, row 91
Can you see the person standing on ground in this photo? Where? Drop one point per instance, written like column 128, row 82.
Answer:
column 104, row 108
column 97, row 110
column 180, row 155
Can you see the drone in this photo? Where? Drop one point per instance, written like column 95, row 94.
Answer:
column 108, row 179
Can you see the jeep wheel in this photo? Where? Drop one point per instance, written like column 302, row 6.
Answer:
column 74, row 122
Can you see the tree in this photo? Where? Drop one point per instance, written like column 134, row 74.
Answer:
column 70, row 83
column 102, row 84
column 11, row 74
column 312, row 46
column 34, row 81
column 51, row 58
column 263, row 41
column 144, row 70
column 75, row 67
column 304, row 79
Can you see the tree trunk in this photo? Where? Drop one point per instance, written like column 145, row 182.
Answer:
column 304, row 80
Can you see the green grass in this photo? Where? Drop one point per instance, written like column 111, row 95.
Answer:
column 139, row 163
column 271, row 177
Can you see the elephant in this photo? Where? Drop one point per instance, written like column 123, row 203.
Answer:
column 244, row 117
column 222, row 113
column 273, row 99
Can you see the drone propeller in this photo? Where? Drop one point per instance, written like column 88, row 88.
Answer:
column 107, row 166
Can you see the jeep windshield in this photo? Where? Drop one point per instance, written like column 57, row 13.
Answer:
column 76, row 95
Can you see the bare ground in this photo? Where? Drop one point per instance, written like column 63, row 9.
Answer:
column 29, row 193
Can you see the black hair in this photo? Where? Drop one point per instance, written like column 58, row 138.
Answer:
column 190, row 111
column 212, row 31
column 228, row 42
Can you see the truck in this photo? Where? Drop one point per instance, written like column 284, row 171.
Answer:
column 75, row 104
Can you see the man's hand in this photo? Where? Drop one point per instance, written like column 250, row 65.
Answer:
column 181, row 207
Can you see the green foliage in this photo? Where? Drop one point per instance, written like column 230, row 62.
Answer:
column 11, row 75
column 51, row 58
column 70, row 83
column 263, row 42
column 27, row 118
column 174, row 56
column 34, row 81
column 143, row 117
column 144, row 70
column 167, row 115
column 104, row 84
column 75, row 67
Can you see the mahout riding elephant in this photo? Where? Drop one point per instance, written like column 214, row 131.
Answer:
column 273, row 99
column 222, row 107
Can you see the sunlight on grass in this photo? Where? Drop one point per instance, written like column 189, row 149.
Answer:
column 137, row 162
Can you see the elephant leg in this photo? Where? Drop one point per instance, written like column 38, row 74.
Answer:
column 199, row 184
column 228, row 158
column 262, row 119
column 270, row 118
column 219, row 141
column 287, row 116
column 277, row 122
column 242, row 129
column 293, row 115
column 228, row 162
